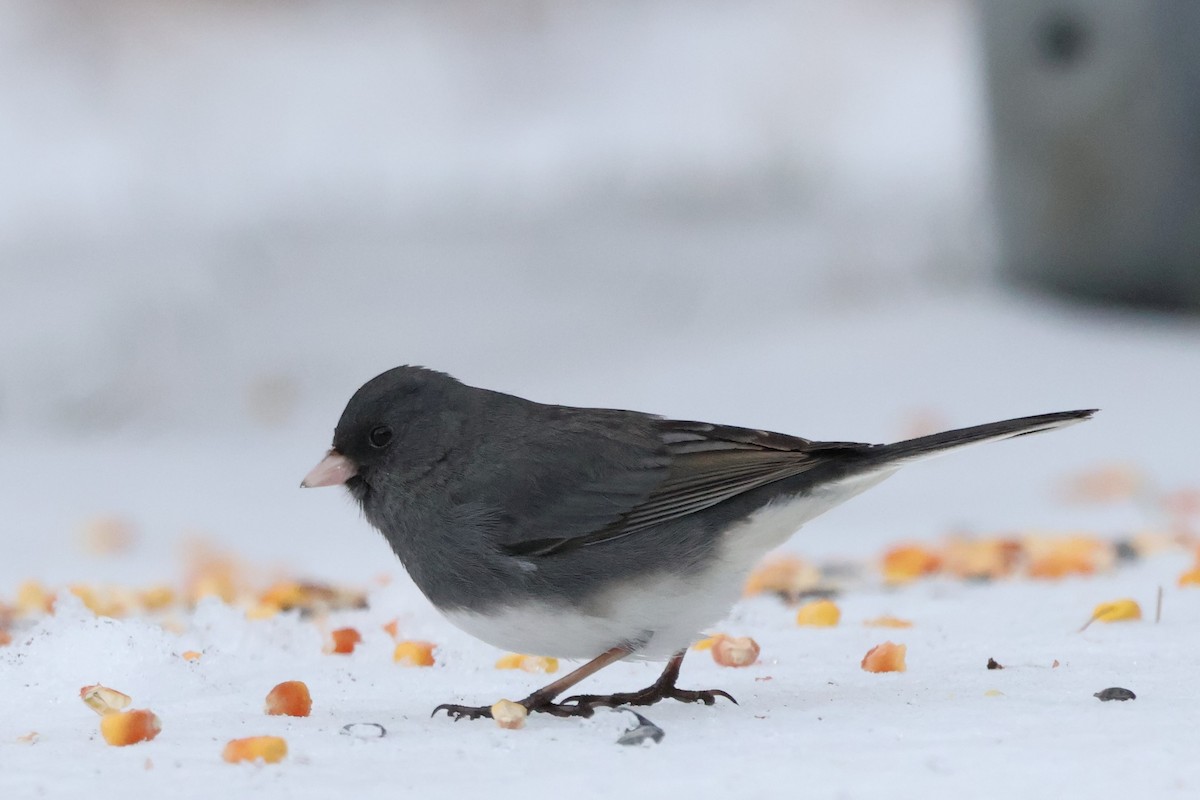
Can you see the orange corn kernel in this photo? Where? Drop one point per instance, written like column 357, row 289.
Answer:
column 886, row 657
column 34, row 598
column 1190, row 578
column 414, row 654
column 973, row 559
column 1059, row 556
column 269, row 749
column 509, row 715
column 735, row 651
column 345, row 640
column 786, row 575
column 392, row 629
column 1107, row 484
column 190, row 655
column 526, row 663
column 887, row 621
column 907, row 563
column 289, row 699
column 129, row 727
column 819, row 613
column 5, row 638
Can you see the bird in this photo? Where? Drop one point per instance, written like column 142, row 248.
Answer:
column 589, row 533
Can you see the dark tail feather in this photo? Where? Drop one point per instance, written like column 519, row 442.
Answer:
column 925, row 446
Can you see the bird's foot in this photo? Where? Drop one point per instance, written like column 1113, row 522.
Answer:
column 649, row 696
column 457, row 712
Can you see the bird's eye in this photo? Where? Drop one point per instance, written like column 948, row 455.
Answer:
column 380, row 436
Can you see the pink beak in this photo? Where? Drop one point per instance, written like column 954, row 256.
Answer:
column 333, row 470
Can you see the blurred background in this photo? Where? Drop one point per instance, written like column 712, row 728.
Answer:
column 837, row 220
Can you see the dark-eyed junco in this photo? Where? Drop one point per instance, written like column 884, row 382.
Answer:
column 590, row 533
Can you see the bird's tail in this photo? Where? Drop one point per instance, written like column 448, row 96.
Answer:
column 901, row 453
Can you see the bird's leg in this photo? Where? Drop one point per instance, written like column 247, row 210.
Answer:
column 662, row 689
column 543, row 699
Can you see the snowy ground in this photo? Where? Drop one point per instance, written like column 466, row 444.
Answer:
column 819, row 726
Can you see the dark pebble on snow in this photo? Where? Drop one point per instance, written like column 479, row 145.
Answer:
column 1115, row 693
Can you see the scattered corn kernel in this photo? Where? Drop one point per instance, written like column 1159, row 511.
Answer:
column 886, row 657
column 5, row 638
column 909, row 562
column 993, row 693
column 735, row 651
column 34, row 598
column 1117, row 611
column 190, row 655
column 1107, row 484
column 289, row 699
column 283, row 595
column 104, row 700
column 269, row 749
column 526, row 663
column 787, row 575
column 1190, row 578
column 509, row 715
column 887, row 621
column 1057, row 557
column 414, row 654
column 107, row 535
column 976, row 559
column 819, row 613
column 156, row 598
column 345, row 640
column 392, row 629
column 129, row 727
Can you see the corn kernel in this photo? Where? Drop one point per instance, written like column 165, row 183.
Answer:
column 269, row 749
column 887, row 621
column 34, row 598
column 392, row 629
column 345, row 640
column 819, row 613
column 509, row 715
column 787, row 575
column 414, row 654
column 904, row 564
column 104, row 700
column 1117, row 611
column 156, row 598
column 289, row 699
column 735, row 651
column 1190, row 578
column 886, row 657
column 190, row 655
column 543, row 664
column 129, row 727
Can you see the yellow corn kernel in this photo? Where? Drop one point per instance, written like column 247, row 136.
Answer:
column 509, row 715
column 819, row 613
column 129, row 727
column 543, row 664
column 414, row 654
column 269, row 749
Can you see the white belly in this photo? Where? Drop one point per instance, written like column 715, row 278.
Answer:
column 663, row 612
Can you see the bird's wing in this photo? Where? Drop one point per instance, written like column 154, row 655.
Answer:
column 679, row 468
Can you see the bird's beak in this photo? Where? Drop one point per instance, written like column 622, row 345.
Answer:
column 333, row 470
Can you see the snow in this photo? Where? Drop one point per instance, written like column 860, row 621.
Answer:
column 809, row 720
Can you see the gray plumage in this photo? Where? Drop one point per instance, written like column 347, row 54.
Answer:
column 494, row 502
